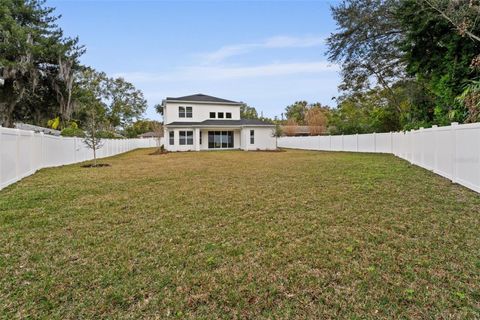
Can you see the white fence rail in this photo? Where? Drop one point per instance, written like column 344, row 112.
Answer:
column 452, row 151
column 24, row 152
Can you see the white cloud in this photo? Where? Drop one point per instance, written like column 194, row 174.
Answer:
column 205, row 73
column 270, row 95
column 292, row 42
column 267, row 85
column 270, row 43
column 267, row 70
column 226, row 52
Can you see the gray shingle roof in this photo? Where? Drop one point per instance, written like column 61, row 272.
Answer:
column 201, row 98
column 151, row 134
column 242, row 122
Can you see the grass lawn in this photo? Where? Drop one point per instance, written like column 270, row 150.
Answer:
column 233, row 234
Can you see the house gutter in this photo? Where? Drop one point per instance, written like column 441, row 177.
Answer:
column 202, row 102
column 221, row 126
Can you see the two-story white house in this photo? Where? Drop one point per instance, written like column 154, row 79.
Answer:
column 202, row 122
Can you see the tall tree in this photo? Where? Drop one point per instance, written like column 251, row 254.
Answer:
column 247, row 112
column 26, row 27
column 126, row 103
column 438, row 56
column 90, row 91
column 142, row 126
column 290, row 128
column 35, row 60
column 64, row 76
column 416, row 53
column 297, row 112
column 316, row 120
column 461, row 14
column 367, row 45
column 364, row 113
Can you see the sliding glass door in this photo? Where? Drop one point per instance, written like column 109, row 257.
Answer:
column 220, row 139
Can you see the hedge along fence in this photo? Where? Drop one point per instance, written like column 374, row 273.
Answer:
column 24, row 152
column 451, row 151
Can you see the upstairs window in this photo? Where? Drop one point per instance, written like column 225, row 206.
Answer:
column 252, row 136
column 220, row 115
column 171, row 137
column 181, row 112
column 189, row 112
column 228, row 115
column 212, row 115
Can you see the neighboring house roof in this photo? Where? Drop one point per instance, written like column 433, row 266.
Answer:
column 151, row 134
column 26, row 126
column 296, row 129
column 302, row 130
column 207, row 123
column 201, row 98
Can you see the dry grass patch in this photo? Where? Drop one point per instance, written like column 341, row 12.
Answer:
column 294, row 234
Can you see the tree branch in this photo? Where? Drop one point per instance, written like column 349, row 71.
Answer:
column 443, row 14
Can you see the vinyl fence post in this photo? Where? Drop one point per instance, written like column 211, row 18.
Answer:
column 391, row 142
column 422, row 146
column 32, row 148
column 1, row 137
column 453, row 128
column 42, row 147
column 330, row 143
column 357, row 141
column 75, row 149
column 343, row 145
column 17, row 167
column 374, row 142
column 435, row 147
column 411, row 145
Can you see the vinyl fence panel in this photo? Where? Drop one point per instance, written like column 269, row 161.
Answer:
column 336, row 143
column 451, row 151
column 366, row 143
column 23, row 152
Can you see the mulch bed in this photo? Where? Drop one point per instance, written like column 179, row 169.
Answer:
column 276, row 150
column 158, row 152
column 98, row 165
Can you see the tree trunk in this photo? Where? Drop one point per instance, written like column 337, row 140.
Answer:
column 94, row 156
column 8, row 120
column 94, row 144
column 11, row 99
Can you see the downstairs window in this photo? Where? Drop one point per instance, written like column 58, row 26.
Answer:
column 186, row 138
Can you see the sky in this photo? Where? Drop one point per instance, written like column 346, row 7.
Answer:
column 267, row 54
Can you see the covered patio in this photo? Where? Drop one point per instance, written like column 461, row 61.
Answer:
column 219, row 135
column 204, row 138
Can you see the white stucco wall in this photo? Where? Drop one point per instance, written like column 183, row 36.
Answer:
column 264, row 138
column 177, row 146
column 203, row 145
column 201, row 112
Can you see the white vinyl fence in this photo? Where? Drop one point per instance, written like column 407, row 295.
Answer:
column 24, row 152
column 452, row 151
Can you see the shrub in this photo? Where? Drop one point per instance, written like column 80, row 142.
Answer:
column 73, row 132
column 108, row 135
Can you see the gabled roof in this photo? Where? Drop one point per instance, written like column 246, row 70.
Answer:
column 242, row 122
column 151, row 134
column 297, row 129
column 201, row 98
